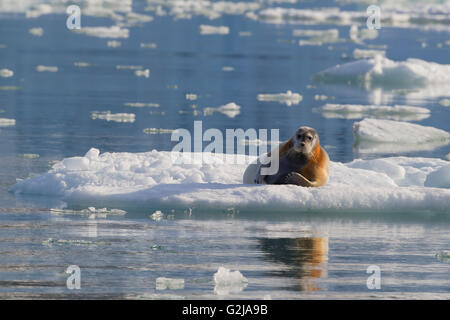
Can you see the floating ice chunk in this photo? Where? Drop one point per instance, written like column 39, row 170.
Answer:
column 382, row 72
column 439, row 178
column 359, row 36
column 445, row 102
column 320, row 97
column 38, row 32
column 6, row 73
column 287, row 98
column 228, row 281
column 317, row 37
column 38, row 10
column 231, row 110
column 51, row 242
column 30, row 156
column 103, row 212
column 206, row 30
column 114, row 44
column 104, row 32
column 352, row 111
column 148, row 45
column 245, row 33
column 41, row 68
column 360, row 53
column 157, row 216
column 116, row 117
column 169, row 283
column 82, row 64
column 141, row 105
column 387, row 136
column 225, row 68
column 157, row 131
column 7, row 122
column 443, row 256
column 191, row 96
column 142, row 73
column 128, row 67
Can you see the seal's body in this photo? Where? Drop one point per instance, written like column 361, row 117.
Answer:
column 302, row 161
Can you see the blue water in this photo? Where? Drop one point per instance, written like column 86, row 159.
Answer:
column 123, row 256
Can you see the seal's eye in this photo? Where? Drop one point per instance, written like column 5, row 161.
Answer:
column 309, row 138
column 299, row 136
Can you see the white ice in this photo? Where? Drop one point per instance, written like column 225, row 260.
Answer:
column 206, row 30
column 116, row 117
column 139, row 179
column 388, row 136
column 231, row 110
column 228, row 281
column 289, row 98
column 4, row 122
column 6, row 73
column 104, row 32
column 41, row 68
column 353, row 111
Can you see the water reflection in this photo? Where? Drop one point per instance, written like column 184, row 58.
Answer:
column 306, row 259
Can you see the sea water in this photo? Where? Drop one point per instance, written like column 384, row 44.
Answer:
column 70, row 92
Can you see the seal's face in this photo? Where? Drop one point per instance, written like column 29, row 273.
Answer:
column 305, row 140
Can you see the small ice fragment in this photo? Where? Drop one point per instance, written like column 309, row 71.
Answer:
column 41, row 68
column 30, row 156
column 81, row 64
column 157, row 215
column 141, row 104
column 38, row 32
column 206, row 30
column 116, row 117
column 245, row 33
column 289, row 98
column 114, row 44
column 6, row 73
column 226, row 68
column 7, row 122
column 231, row 110
column 156, row 130
column 169, row 283
column 148, row 45
column 104, row 32
column 129, row 67
column 142, row 73
column 320, row 97
column 191, row 96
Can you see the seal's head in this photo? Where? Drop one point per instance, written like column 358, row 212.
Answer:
column 305, row 140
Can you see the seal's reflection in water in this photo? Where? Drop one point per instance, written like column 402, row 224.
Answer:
column 306, row 259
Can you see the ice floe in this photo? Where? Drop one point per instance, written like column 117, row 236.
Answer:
column 362, row 53
column 231, row 110
column 228, row 281
column 139, row 179
column 163, row 283
column 4, row 122
column 387, row 136
column 353, row 111
column 289, row 98
column 41, row 68
column 116, row 117
column 445, row 102
column 148, row 45
column 317, row 37
column 6, row 73
column 206, row 29
column 104, row 32
column 439, row 178
column 142, row 73
column 38, row 32
column 157, row 130
column 114, row 44
column 141, row 105
column 383, row 72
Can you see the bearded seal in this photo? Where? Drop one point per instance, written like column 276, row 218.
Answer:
column 302, row 162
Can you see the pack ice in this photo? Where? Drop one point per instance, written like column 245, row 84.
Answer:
column 121, row 179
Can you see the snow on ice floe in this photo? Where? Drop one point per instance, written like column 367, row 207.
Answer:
column 388, row 136
column 206, row 30
column 38, row 32
column 395, row 183
column 116, row 117
column 289, row 98
column 353, row 111
column 231, row 110
column 317, row 37
column 6, row 73
column 383, row 72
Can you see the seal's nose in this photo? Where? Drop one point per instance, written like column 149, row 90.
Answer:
column 302, row 144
